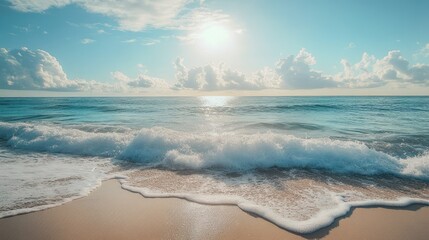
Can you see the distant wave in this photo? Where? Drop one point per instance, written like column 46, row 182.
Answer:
column 323, row 107
column 231, row 151
column 285, row 126
column 80, row 107
column 285, row 107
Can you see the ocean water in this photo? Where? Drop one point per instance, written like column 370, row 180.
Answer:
column 299, row 162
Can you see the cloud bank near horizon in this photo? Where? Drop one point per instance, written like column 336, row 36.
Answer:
column 296, row 72
column 25, row 69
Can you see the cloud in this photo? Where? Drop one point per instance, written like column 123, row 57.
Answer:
column 141, row 81
column 420, row 73
column 359, row 75
column 24, row 69
column 351, row 45
column 37, row 6
column 87, row 41
column 295, row 72
column 131, row 15
column 132, row 40
column 425, row 50
column 149, row 42
column 145, row 81
column 211, row 78
column 145, row 42
column 120, row 76
column 372, row 72
column 134, row 15
column 201, row 16
column 196, row 21
column 266, row 78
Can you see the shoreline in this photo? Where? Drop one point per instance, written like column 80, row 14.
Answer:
column 399, row 204
column 103, row 215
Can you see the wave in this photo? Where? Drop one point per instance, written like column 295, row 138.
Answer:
column 285, row 126
column 321, row 219
column 313, row 107
column 229, row 151
column 297, row 183
column 279, row 108
column 56, row 139
column 80, row 107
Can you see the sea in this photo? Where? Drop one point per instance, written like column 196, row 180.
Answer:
column 299, row 162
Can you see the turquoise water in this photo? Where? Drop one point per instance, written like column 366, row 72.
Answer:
column 395, row 125
column 299, row 161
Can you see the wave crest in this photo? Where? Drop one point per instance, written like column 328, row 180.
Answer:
column 231, row 151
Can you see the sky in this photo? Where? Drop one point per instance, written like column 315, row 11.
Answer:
column 186, row 47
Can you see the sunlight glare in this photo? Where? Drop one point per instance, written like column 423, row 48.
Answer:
column 215, row 37
column 215, row 101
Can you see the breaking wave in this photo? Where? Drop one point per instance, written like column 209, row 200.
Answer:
column 198, row 150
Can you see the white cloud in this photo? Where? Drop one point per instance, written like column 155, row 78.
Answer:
column 120, row 76
column 372, row 72
column 37, row 6
column 132, row 40
column 359, row 75
column 295, row 72
column 425, row 50
column 197, row 20
column 149, row 42
column 87, row 41
column 131, row 15
column 145, row 81
column 267, row 78
column 198, row 17
column 24, row 69
column 420, row 74
column 141, row 81
column 212, row 78
column 145, row 42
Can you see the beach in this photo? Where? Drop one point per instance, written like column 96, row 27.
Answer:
column 110, row 212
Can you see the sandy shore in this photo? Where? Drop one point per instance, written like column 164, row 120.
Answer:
column 113, row 213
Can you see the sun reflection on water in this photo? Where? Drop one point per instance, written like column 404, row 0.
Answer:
column 215, row 101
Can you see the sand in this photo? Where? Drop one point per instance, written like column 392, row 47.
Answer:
column 110, row 212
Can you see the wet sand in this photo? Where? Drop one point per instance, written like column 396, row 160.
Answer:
column 113, row 213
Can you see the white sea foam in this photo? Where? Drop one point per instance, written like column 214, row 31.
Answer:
column 300, row 204
column 55, row 139
column 417, row 166
column 35, row 181
column 307, row 190
column 185, row 150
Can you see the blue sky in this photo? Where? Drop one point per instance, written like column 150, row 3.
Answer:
column 214, row 47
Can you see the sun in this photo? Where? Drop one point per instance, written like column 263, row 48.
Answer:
column 215, row 37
